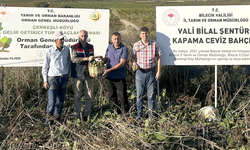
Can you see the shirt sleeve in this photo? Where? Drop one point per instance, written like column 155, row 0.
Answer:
column 125, row 53
column 106, row 54
column 158, row 50
column 45, row 68
column 69, row 60
column 134, row 50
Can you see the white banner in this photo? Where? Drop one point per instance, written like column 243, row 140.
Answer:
column 204, row 35
column 26, row 33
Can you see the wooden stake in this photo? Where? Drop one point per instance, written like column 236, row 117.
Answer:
column 1, row 79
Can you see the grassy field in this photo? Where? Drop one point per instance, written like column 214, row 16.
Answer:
column 140, row 13
column 23, row 102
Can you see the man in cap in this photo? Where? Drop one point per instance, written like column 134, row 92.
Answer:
column 55, row 71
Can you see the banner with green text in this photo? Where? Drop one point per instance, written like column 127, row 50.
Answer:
column 26, row 33
column 204, row 35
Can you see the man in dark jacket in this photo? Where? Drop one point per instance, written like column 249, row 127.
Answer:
column 82, row 53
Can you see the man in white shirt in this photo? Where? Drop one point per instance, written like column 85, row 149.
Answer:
column 55, row 71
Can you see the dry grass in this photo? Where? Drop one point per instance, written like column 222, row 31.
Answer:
column 22, row 119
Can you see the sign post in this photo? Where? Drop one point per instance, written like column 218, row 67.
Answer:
column 1, row 79
column 215, row 86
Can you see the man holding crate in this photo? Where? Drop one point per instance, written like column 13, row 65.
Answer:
column 82, row 52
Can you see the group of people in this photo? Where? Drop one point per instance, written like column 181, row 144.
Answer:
column 59, row 63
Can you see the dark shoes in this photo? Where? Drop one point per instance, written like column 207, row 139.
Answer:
column 85, row 118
